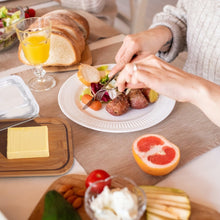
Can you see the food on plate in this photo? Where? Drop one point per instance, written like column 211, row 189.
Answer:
column 72, row 194
column 137, row 99
column 115, row 204
column 151, row 95
column 166, row 203
column 27, row 142
column 96, row 105
column 88, row 74
column 155, row 155
column 95, row 176
column 118, row 105
column 94, row 79
column 134, row 98
column 56, row 207
column 68, row 38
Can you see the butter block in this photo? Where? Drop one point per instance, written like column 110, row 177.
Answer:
column 27, row 142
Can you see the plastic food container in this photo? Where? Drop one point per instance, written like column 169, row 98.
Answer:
column 17, row 103
column 8, row 36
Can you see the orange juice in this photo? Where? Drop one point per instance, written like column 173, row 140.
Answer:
column 36, row 49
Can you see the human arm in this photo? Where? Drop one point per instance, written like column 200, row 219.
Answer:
column 142, row 45
column 168, row 26
column 174, row 83
column 174, row 18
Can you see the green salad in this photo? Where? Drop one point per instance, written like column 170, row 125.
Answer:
column 8, row 17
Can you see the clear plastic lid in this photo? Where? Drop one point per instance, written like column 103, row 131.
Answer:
column 16, row 100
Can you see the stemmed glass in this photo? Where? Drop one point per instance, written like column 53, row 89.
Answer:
column 34, row 36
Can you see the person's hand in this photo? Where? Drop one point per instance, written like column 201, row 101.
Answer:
column 141, row 45
column 172, row 82
column 160, row 76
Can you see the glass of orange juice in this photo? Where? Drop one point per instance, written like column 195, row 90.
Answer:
column 34, row 36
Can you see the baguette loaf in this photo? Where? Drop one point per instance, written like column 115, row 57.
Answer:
column 63, row 22
column 79, row 20
column 68, row 38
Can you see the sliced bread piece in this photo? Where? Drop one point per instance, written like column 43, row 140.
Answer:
column 88, row 74
column 64, row 51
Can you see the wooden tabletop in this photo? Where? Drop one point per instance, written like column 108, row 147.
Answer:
column 186, row 126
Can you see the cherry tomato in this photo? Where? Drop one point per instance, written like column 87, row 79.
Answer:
column 96, row 105
column 95, row 176
column 29, row 12
column 27, row 15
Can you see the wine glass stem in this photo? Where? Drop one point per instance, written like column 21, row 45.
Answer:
column 39, row 72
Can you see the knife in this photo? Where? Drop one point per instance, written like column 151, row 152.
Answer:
column 100, row 93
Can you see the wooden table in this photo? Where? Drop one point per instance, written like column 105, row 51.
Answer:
column 186, row 126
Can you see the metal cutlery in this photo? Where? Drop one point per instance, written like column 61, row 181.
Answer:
column 99, row 94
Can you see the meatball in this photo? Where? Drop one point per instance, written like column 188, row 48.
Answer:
column 118, row 105
column 137, row 99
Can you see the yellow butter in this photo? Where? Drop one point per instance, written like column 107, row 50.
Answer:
column 27, row 142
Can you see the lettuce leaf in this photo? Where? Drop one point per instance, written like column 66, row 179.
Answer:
column 102, row 68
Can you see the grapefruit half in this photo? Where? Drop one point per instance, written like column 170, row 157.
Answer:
column 155, row 155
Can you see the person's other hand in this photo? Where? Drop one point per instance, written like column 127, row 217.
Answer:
column 160, row 76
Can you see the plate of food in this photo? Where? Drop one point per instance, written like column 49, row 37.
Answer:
column 70, row 102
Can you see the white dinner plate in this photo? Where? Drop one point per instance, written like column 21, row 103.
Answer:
column 133, row 120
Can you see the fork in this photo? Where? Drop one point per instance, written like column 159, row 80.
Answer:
column 99, row 94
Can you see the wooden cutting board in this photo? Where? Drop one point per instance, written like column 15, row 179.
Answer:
column 60, row 149
column 199, row 212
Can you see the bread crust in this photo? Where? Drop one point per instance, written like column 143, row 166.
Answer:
column 80, row 21
column 63, row 22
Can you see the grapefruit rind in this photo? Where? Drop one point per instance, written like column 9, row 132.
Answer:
column 152, row 168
